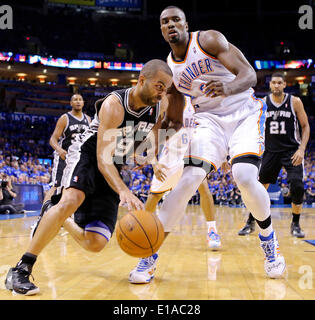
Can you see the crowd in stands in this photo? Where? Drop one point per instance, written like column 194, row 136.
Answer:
column 32, row 139
column 24, row 141
column 27, row 169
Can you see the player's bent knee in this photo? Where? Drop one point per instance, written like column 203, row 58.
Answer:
column 297, row 191
column 98, row 235
column 96, row 242
column 243, row 182
column 70, row 201
column 72, row 198
column 244, row 174
column 76, row 195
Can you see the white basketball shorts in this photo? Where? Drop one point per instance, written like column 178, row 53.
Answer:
column 238, row 134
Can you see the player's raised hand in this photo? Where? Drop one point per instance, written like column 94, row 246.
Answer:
column 129, row 200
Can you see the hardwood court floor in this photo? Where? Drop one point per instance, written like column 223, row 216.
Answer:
column 187, row 269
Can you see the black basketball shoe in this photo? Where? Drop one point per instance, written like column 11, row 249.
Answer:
column 296, row 230
column 248, row 228
column 17, row 280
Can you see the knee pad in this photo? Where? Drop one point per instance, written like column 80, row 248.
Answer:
column 297, row 191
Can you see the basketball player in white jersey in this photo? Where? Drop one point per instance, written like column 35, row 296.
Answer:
column 172, row 157
column 230, row 121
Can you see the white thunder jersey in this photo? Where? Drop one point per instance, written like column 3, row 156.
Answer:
column 174, row 150
column 199, row 67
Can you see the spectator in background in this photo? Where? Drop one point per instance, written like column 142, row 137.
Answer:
column 126, row 175
column 44, row 181
column 16, row 171
column 236, row 197
column 7, row 166
column 2, row 164
column 23, row 179
column 136, row 187
column 147, row 185
column 221, row 195
column 195, row 199
column 143, row 194
column 24, row 158
column 212, row 186
column 140, row 176
column 7, row 194
column 310, row 194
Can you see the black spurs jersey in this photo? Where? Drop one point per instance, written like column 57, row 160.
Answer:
column 74, row 127
column 134, row 128
column 282, row 127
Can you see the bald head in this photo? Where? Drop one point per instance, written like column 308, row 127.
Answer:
column 152, row 67
column 177, row 9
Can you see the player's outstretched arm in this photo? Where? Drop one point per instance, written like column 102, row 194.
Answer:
column 111, row 116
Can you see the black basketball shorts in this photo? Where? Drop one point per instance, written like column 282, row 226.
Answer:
column 57, row 171
column 101, row 201
column 272, row 162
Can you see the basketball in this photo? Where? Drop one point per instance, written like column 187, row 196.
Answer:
column 140, row 233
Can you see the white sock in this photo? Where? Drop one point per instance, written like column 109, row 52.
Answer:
column 174, row 205
column 254, row 195
column 212, row 226
column 266, row 232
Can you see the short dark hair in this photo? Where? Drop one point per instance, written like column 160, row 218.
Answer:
column 153, row 66
column 278, row 75
column 76, row 94
column 174, row 7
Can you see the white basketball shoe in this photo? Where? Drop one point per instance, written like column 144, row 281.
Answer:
column 144, row 271
column 274, row 261
column 214, row 240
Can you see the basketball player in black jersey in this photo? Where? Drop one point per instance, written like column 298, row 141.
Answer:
column 286, row 136
column 93, row 187
column 68, row 126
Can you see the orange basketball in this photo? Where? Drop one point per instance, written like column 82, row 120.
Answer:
column 140, row 233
